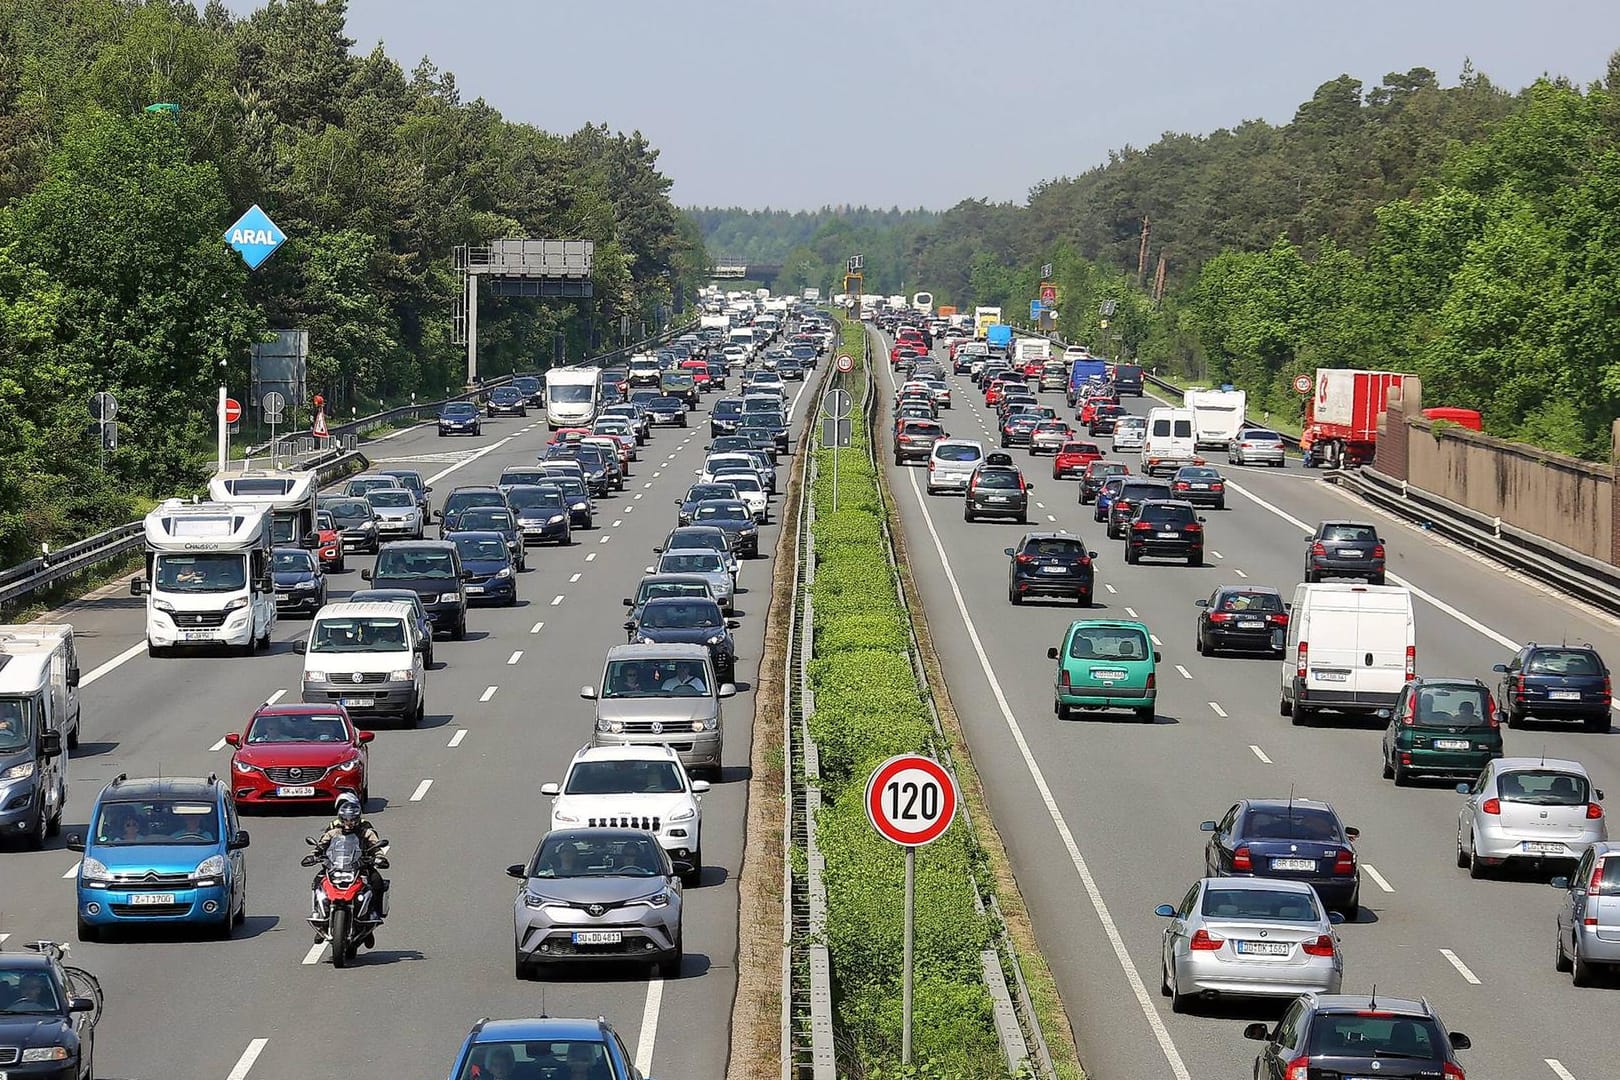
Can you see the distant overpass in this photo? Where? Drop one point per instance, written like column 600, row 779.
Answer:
column 731, row 268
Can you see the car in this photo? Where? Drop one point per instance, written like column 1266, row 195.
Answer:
column 699, row 493
column 432, row 570
column 710, row 565
column 667, row 410
column 1257, row 446
column 597, row 895
column 1345, row 549
column 951, row 463
column 412, row 481
column 1093, row 476
column 767, row 430
column 1242, row 618
column 622, row 431
column 915, row 409
column 639, row 421
column 701, row 538
column 1050, row 436
column 330, row 538
column 460, row 418
column 997, row 489
column 541, row 512
column 161, row 851
column 1165, row 528
column 424, row 625
column 1088, row 408
column 750, row 489
column 790, row 367
column 489, row 575
column 733, row 517
column 724, row 415
column 1199, row 485
column 1072, row 457
column 1356, row 1035
column 914, row 439
column 1130, row 434
column 496, row 519
column 600, row 468
column 1589, row 915
column 765, row 465
column 654, row 585
column 355, row 521
column 1254, row 937
column 680, row 385
column 664, row 694
column 300, row 581
column 718, row 374
column 1050, row 564
column 300, row 755
column 693, row 620
column 581, row 507
column 531, row 388
column 1121, row 507
column 1528, row 811
column 464, row 498
column 1105, row 664
column 1019, row 429
column 1104, row 420
column 507, row 401
column 1294, row 839
column 1440, row 727
column 357, row 487
column 1557, row 682
column 398, row 513
column 1107, row 492
column 635, row 786
column 48, row 1025
column 522, row 475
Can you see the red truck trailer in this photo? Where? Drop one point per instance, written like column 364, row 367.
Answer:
column 1341, row 417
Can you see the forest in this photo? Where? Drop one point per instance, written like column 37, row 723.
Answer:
column 114, row 276
column 812, row 245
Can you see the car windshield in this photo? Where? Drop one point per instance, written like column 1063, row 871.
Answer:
column 1350, row 534
column 483, row 517
column 666, row 404
column 681, row 614
column 27, row 990
column 670, row 588
column 692, row 538
column 1001, row 479
column 580, row 854
column 408, row 480
column 1563, row 662
column 570, row 485
column 387, row 596
column 1105, row 468
column 460, row 500
column 298, row 728
column 16, row 723
column 728, row 409
column 1269, row 904
column 1266, row 603
column 655, row 678
column 344, row 635
column 200, row 573
column 1370, row 1034
column 1291, row 823
column 1464, row 705
column 721, row 511
column 1109, row 643
column 348, row 512
column 407, row 563
column 536, row 497
column 460, row 411
column 506, row 394
column 156, row 821
column 480, row 548
column 402, row 500
column 624, row 778
column 572, row 393
column 1543, row 787
column 291, row 562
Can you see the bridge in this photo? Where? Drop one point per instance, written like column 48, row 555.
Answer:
column 731, row 268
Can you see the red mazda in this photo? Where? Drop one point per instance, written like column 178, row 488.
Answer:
column 1073, row 457
column 331, row 540
column 299, row 754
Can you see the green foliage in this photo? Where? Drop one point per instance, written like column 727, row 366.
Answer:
column 812, row 245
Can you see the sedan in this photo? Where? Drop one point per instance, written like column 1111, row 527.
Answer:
column 1019, row 429
column 1257, row 446
column 460, row 418
column 331, row 541
column 1345, row 549
column 1199, row 485
column 486, row 568
column 1528, row 811
column 667, row 410
column 1096, row 474
column 542, row 514
column 1290, row 839
column 688, row 620
column 496, row 519
column 300, row 581
column 1245, row 618
column 299, row 754
column 1050, row 437
column 1248, row 938
column 355, row 520
column 700, row 493
column 702, row 538
column 656, row 585
column 597, row 894
column 507, row 401
column 790, row 367
column 710, row 565
column 399, row 514
column 734, row 518
column 1074, row 457
column 751, row 490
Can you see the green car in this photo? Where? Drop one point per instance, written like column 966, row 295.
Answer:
column 681, row 385
column 1441, row 728
column 1105, row 664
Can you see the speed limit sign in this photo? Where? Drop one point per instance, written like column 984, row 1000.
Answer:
column 1302, row 384
column 911, row 800
column 846, row 364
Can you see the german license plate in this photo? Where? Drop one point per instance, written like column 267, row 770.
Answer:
column 1350, row 553
column 1108, row 674
column 296, row 792
column 1168, row 535
column 1200, row 487
column 357, row 702
column 997, row 498
column 1533, row 848
column 1054, row 569
column 1451, row 744
column 1564, row 695
column 597, row 937
column 1332, row 676
column 1264, row 948
column 198, row 635
column 474, row 590
column 1293, row 864
column 1250, row 624
column 150, row 899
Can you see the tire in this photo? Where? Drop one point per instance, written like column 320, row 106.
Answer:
column 418, row 714
column 1198, row 644
column 1376, row 580
column 1146, row 714
column 1131, row 558
column 339, row 933
column 669, row 967
column 1388, row 773
column 1023, row 518
column 1283, row 708
column 1298, row 713
column 1083, row 599
column 73, row 739
column 88, row 932
column 1581, row 972
column 1311, row 577
column 1179, row 1002
column 967, row 515
column 522, row 970
column 1476, row 869
column 1515, row 719
column 156, row 651
column 1600, row 723
column 41, row 832
column 1462, row 856
column 1560, row 957
column 1401, row 777
column 460, row 632
column 1221, row 505
column 1351, row 911
column 1062, row 711
column 1195, row 560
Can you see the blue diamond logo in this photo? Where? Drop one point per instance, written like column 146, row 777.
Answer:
column 255, row 237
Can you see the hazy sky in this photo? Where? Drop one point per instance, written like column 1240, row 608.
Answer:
column 913, row 103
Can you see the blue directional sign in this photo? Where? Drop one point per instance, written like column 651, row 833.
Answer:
column 1035, row 309
column 255, row 237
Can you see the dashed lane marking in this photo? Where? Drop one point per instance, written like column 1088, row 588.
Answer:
column 1110, row 588
column 604, row 539
column 575, row 578
column 649, row 1026
column 217, row 747
column 1157, row 644
column 245, row 1062
column 489, row 692
column 468, row 460
column 1558, row 1069
column 455, row 740
column 1130, row 611
column 1378, row 879
column 1217, row 554
column 72, row 870
column 123, row 657
column 1185, row 674
column 592, row 556
column 1462, row 969
column 1217, row 707
column 1239, row 573
column 421, row 790
column 275, row 697
column 555, row 600
column 515, row 657
column 1259, row 753
column 536, row 628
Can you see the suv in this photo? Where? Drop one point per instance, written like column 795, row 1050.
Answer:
column 1133, row 492
column 914, row 440
column 1050, row 564
column 432, row 570
column 663, row 695
column 636, row 787
column 1345, row 549
column 997, row 489
column 1357, row 1035
column 161, row 850
column 1589, row 917
column 1168, row 528
column 541, row 1043
column 1557, row 681
column 1441, row 727
column 1105, row 664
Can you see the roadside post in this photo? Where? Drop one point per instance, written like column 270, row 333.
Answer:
column 835, row 425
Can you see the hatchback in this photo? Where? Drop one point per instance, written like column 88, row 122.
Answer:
column 951, row 463
column 1093, row 475
column 1441, row 727
column 1050, row 437
column 914, row 440
column 1019, row 429
column 507, row 401
column 1050, row 564
column 300, row 581
column 1073, row 458
column 1344, row 549
column 1344, row 1035
column 1243, row 618
column 997, row 489
column 1107, row 492
column 1199, row 485
column 1105, row 664
column 1256, row 446
column 1104, row 419
column 1528, row 810
column 1293, row 839
column 1589, row 915
column 1165, row 528
column 489, row 573
column 1558, row 682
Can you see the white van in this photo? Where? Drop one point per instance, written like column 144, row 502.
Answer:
column 1170, row 441
column 747, row 337
column 1350, row 649
column 368, row 658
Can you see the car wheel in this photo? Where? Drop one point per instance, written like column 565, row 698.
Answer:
column 1377, row 579
column 1462, row 856
column 670, row 966
column 1146, row 714
column 1014, row 596
column 1600, row 723
column 1580, row 971
column 1560, row 957
column 1062, row 711
column 155, row 651
column 1130, row 556
column 1195, row 560
column 1401, row 777
column 1351, row 911
column 1221, row 505
column 1083, row 599
column 1298, row 713
column 1514, row 719
column 1311, row 577
column 1389, row 774
column 460, row 632
column 1283, row 708
column 967, row 515
column 1179, row 1002
column 1198, row 644
column 1476, row 868
column 88, row 932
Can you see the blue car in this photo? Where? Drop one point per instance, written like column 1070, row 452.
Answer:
column 543, row 1047
column 162, row 851
column 488, row 573
column 460, row 418
column 300, row 581
column 1105, row 497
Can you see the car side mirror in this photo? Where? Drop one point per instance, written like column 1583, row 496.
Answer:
column 652, row 570
column 365, row 574
column 468, row 575
column 1165, row 911
column 629, row 624
column 588, row 693
column 1335, row 917
column 728, row 690
column 233, row 739
column 1200, row 603
column 1463, row 789
column 239, row 841
column 1288, row 606
column 81, row 1004
column 427, row 489
column 74, row 842
column 1500, row 668
column 1206, row 826
column 551, row 789
column 1201, row 520
column 629, row 602
column 700, row 786
column 312, row 539
column 1257, row 1032
column 1052, row 653
column 658, row 551
column 139, row 587
column 1352, row 832
column 1459, row 1041
column 50, row 744
column 365, row 736
column 1308, row 540
column 516, row 870
column 1557, row 882
column 732, row 624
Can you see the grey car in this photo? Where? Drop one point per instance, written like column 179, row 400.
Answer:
column 1589, row 915
column 711, row 565
column 665, row 695
column 1257, row 446
column 597, row 895
column 667, row 585
column 1528, row 811
column 399, row 515
column 706, row 537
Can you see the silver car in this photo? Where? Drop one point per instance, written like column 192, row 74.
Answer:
column 951, row 464
column 710, row 565
column 1589, row 916
column 398, row 513
column 597, row 894
column 1130, row 433
column 1249, row 937
column 1257, row 446
column 663, row 695
column 1528, row 810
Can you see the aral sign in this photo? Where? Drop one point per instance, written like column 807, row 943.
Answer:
column 254, row 237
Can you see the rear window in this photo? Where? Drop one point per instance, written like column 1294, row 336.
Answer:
column 1068, row 549
column 1109, row 643
column 1080, row 448
column 1467, row 706
column 1161, row 428
column 1167, row 513
column 1244, row 601
column 1350, row 534
column 1137, row 492
column 957, row 452
column 998, row 478
column 1564, row 662
column 1543, row 787
column 1291, row 823
column 1183, row 429
column 1260, row 435
column 924, row 429
column 1260, row 904
column 1360, row 1034
column 1609, row 883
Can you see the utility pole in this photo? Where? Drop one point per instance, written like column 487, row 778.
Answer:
column 1158, row 281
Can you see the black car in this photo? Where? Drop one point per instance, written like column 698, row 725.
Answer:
column 507, row 401
column 462, row 498
column 1128, row 379
column 50, row 1013
column 688, row 620
column 698, row 493
column 1355, row 1035
column 1104, row 419
column 541, row 512
column 1345, row 549
column 1133, row 492
column 1199, row 485
column 300, row 581
column 593, row 458
column 460, row 418
column 997, row 489
column 773, row 422
column 495, row 519
column 667, row 410
column 790, row 367
column 732, row 516
column 1050, row 564
column 581, row 508
column 1242, row 618
column 1560, row 682
column 1096, row 472
column 724, row 415
column 424, row 625
column 1165, row 528
column 355, row 521
column 532, row 389
column 719, row 372
column 432, row 570
column 1288, row 839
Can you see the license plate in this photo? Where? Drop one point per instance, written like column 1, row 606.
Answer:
column 1293, row 864
column 1350, row 553
column 1107, row 673
column 198, row 635
column 1200, row 487
column 474, row 590
column 150, row 899
column 1451, row 744
column 1168, row 536
column 1332, row 676
column 357, row 702
column 1264, row 948
column 1054, row 569
column 1251, row 626
column 1534, row 848
column 1564, row 695
column 296, row 792
column 997, row 498
column 597, row 937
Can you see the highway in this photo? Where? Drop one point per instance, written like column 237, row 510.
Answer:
column 458, row 799
column 1100, row 815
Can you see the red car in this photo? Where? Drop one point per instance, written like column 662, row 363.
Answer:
column 1089, row 409
column 299, row 755
column 571, row 435
column 1073, row 457
column 331, row 549
column 700, row 372
column 914, row 340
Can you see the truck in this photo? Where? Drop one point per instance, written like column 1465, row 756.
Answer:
column 1217, row 415
column 208, row 577
column 1341, row 415
column 39, row 696
column 999, row 337
column 572, row 396
column 983, row 319
column 289, row 496
column 721, row 322
column 1083, row 370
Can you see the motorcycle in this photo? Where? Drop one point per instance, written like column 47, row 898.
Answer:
column 344, row 911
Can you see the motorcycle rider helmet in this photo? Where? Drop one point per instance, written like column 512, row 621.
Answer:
column 348, row 810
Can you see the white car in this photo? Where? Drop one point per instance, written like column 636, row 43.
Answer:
column 725, row 461
column 750, row 490
column 1130, row 432
column 1528, row 810
column 635, row 787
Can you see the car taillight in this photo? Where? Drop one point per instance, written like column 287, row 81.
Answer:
column 1152, row 680
column 1594, row 812
column 1026, row 559
column 1411, row 661
column 1518, row 687
column 1143, row 526
column 1204, row 941
column 1378, row 551
column 1217, row 487
column 1344, row 862
column 1594, row 887
column 1491, row 716
column 1298, row 1069
column 1221, row 616
column 1491, row 806
column 1241, row 860
column 1318, row 551
column 1193, row 527
column 1452, row 1071
column 1322, row 946
column 1181, row 485
column 1063, row 677
column 1606, row 688
column 1277, row 620
column 1304, row 655
column 1085, row 560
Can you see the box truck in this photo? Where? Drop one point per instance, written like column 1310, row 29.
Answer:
column 983, row 319
column 1341, row 415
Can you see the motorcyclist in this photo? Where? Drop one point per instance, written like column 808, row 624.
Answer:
column 351, row 819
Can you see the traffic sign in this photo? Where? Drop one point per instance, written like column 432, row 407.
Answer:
column 846, row 364
column 1035, row 309
column 1302, row 384
column 911, row 800
column 273, row 404
column 233, row 410
column 1108, row 307
column 835, row 434
column 835, row 403
column 1046, row 270
column 255, row 237
column 1048, row 293
column 103, row 406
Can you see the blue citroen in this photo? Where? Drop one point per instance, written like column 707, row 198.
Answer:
column 162, row 850
column 487, row 567
column 544, row 1046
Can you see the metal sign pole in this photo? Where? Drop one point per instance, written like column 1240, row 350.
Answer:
column 224, row 438
column 835, row 478
column 905, row 984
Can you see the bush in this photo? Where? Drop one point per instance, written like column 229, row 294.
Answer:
column 863, row 629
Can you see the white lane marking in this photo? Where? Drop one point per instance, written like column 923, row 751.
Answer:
column 592, row 556
column 316, row 951
column 1185, row 674
column 656, row 475
column 649, row 1026
column 1217, row 554
column 1116, row 940
column 604, row 540
column 3, row 938
column 535, row 629
column 217, row 747
column 638, row 495
column 123, row 657
column 72, row 870
column 575, row 578
column 275, row 697
column 1130, row 611
column 1217, row 707
column 1462, row 968
column 468, row 460
column 1156, row 642
column 515, row 657
column 1378, row 879
column 1558, row 1069
column 245, row 1062
column 1261, row 754
column 489, row 692
column 455, row 740
column 421, row 790
column 1239, row 573
column 555, row 600
column 1109, row 587
column 1049, row 517
column 1040, row 506
column 648, row 484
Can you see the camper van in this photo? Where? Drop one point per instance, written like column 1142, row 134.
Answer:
column 39, row 704
column 572, row 396
column 1350, row 649
column 208, row 579
column 289, row 496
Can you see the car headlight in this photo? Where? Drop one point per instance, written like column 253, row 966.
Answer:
column 243, row 767
column 749, row 531
column 449, row 597
column 612, row 727
column 349, row 765
column 697, row 725
column 709, row 723
column 645, row 640
column 686, row 813
column 505, row 572
column 717, row 639
column 555, row 519
column 163, row 605
column 93, row 870
column 46, row 1053
column 368, row 526
column 18, row 772
column 238, row 604
column 314, row 676
column 402, row 675
column 213, row 866
column 657, row 899
column 309, row 584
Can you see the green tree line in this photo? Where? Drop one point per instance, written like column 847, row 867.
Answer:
column 812, row 246
column 114, row 275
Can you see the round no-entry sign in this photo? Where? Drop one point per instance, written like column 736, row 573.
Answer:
column 1302, row 384
column 846, row 363
column 911, row 800
column 233, row 410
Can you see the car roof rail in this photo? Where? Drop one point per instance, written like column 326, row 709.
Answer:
column 119, row 779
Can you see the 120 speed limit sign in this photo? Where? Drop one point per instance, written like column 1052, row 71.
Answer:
column 911, row 800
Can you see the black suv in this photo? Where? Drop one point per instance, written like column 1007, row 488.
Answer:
column 507, row 401
column 1050, row 564
column 997, row 489
column 1561, row 682
column 1252, row 618
column 1133, row 492
column 1168, row 528
column 1128, row 379
column 1357, row 1035
column 1345, row 549
column 432, row 570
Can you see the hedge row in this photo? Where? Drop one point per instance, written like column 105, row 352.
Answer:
column 868, row 708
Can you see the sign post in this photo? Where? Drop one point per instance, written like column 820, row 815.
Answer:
column 273, row 405
column 103, row 408
column 835, row 427
column 1302, row 384
column 910, row 800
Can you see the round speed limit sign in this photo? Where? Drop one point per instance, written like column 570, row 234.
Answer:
column 1302, row 384
column 911, row 800
column 846, row 364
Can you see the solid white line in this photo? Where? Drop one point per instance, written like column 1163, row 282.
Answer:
column 275, row 697
column 489, row 692
column 1217, row 707
column 421, row 790
column 1378, row 879
column 1462, row 968
column 455, row 740
column 592, row 556
column 575, row 578
column 468, row 460
column 1130, row 611
column 535, row 629
column 245, row 1062
column 316, row 951
column 649, row 1026
column 1239, row 573
column 72, row 870
column 1185, row 674
column 1558, row 1069
column 217, row 747
column 555, row 600
column 1259, row 753
column 1109, row 587
column 515, row 657
column 96, row 673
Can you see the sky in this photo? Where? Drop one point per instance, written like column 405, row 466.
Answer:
column 927, row 102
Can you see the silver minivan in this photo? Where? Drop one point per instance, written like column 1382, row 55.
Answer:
column 661, row 695
column 951, row 464
column 1589, row 916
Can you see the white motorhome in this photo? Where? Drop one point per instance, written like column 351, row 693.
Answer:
column 208, row 579
column 1350, row 648
column 1032, row 351
column 1217, row 415
column 572, row 396
column 811, row 296
column 1170, row 442
column 923, row 303
column 289, row 496
column 39, row 696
